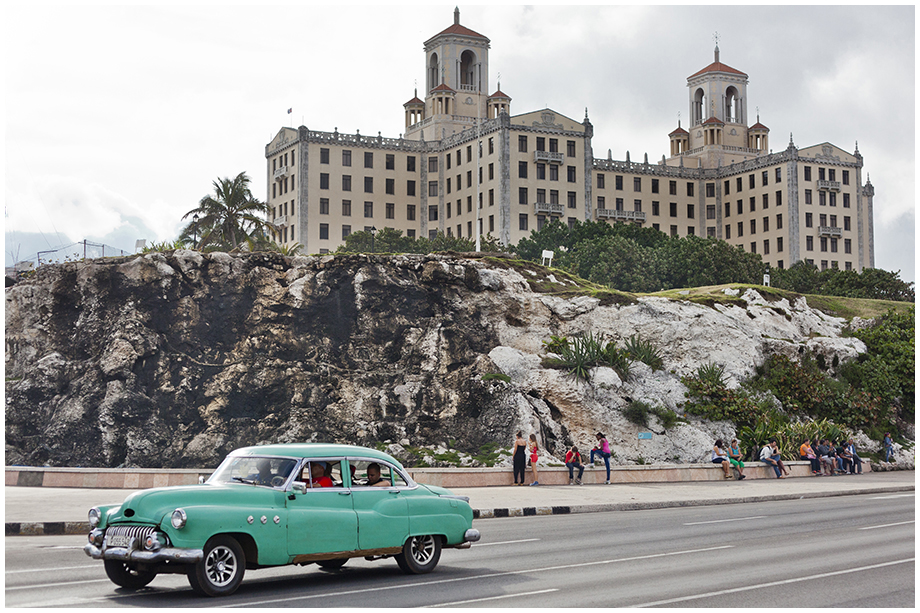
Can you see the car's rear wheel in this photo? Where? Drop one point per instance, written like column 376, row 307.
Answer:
column 123, row 575
column 420, row 554
column 221, row 569
column 332, row 564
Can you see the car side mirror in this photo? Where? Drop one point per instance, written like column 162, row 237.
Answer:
column 299, row 487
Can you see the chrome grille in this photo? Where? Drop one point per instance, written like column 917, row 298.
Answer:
column 139, row 532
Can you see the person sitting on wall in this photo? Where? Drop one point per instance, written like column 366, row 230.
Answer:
column 574, row 460
column 766, row 456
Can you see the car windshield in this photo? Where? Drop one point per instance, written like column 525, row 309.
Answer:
column 254, row 470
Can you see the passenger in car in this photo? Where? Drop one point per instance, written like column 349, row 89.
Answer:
column 373, row 476
column 318, row 476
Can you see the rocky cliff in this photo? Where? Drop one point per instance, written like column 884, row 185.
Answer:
column 171, row 360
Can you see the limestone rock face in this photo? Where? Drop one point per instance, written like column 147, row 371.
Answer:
column 172, row 360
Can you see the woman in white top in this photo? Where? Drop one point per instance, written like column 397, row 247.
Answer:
column 719, row 456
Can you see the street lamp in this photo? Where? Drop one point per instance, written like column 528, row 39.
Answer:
column 195, row 231
column 373, row 235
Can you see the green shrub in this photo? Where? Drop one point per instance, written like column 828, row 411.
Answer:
column 641, row 350
column 492, row 376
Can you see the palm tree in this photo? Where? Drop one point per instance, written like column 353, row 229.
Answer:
column 228, row 218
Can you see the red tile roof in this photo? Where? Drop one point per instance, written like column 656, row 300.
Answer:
column 759, row 126
column 460, row 30
column 415, row 100
column 718, row 67
column 713, row 121
column 679, row 130
column 499, row 94
column 444, row 87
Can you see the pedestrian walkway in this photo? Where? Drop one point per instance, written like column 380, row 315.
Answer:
column 53, row 510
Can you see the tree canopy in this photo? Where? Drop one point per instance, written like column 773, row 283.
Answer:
column 228, row 218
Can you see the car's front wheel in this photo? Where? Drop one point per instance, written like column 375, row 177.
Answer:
column 221, row 569
column 420, row 554
column 123, row 575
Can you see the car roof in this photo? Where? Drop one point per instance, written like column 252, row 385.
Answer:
column 315, row 450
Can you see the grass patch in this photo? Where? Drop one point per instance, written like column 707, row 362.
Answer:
column 496, row 376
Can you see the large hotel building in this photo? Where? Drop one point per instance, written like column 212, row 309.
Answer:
column 720, row 180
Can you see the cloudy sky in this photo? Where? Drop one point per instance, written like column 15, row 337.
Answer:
column 119, row 118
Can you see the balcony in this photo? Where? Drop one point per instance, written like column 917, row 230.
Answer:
column 832, row 185
column 546, row 208
column 831, row 231
column 616, row 215
column 281, row 220
column 280, row 173
column 553, row 157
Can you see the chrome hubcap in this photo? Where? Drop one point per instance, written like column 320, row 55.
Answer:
column 423, row 549
column 220, row 566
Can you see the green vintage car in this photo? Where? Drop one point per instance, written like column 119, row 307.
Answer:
column 279, row 504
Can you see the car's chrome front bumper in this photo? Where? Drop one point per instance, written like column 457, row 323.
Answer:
column 132, row 554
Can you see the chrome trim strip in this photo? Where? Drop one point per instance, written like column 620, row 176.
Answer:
column 171, row 554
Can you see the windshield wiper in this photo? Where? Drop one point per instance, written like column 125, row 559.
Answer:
column 242, row 480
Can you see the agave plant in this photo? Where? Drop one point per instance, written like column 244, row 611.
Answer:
column 644, row 351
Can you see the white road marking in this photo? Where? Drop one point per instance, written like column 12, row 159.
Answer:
column 459, row 602
column 44, row 585
column 48, row 570
column 722, row 521
column 746, row 588
column 890, row 497
column 504, row 542
column 900, row 523
column 403, row 586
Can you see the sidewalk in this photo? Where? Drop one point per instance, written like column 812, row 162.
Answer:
column 52, row 510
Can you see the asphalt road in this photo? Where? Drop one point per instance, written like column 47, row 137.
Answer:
column 852, row 551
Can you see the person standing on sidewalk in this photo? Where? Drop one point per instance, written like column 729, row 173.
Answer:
column 603, row 450
column 532, row 445
column 519, row 457
column 889, row 447
column 574, row 460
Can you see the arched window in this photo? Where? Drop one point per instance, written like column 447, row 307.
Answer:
column 732, row 105
column 699, row 98
column 434, row 77
column 468, row 78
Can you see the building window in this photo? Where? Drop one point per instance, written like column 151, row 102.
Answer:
column 368, row 159
column 764, row 178
column 740, row 207
column 619, row 204
column 410, row 188
column 807, row 170
column 432, row 189
column 710, row 232
column 833, row 245
column 738, row 184
column 710, row 211
column 766, row 224
column 324, row 156
column 324, row 206
column 570, row 174
column 410, row 163
column 391, row 186
column 541, row 195
column 809, row 243
column 727, row 185
column 600, row 181
column 751, row 184
column 469, row 179
column 691, row 231
column 572, row 200
column 491, row 223
column 346, row 230
column 491, row 171
column 637, row 184
column 779, row 198
column 522, row 222
column 690, row 211
column 368, row 210
column 618, row 182
column 846, row 177
column 601, row 202
column 491, row 145
column 832, row 197
column 410, row 212
column 655, row 208
column 368, row 185
column 753, row 226
column 637, row 206
column 346, row 183
column 710, row 190
column 831, row 174
column 779, row 222
column 346, row 208
column 673, row 210
column 847, row 245
column 469, row 153
column 433, row 164
column 846, row 201
column 690, row 189
column 728, row 231
column 753, row 204
column 654, row 186
column 324, row 231
column 323, row 182
column 766, row 201
column 672, row 188
column 740, row 229
column 522, row 195
column 728, row 209
column 522, row 143
column 522, row 170
column 570, row 148
column 433, row 213
column 823, row 264
column 449, row 205
column 846, row 222
column 391, row 210
column 673, row 231
column 779, row 244
column 541, row 143
column 753, row 247
column 822, row 198
column 346, row 158
column 766, row 246
column 491, row 197
column 541, row 171
column 823, row 242
column 390, row 161
column 807, row 196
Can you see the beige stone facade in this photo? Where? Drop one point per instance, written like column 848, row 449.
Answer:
column 721, row 179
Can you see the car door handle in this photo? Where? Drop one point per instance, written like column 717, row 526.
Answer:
column 394, row 491
column 345, row 493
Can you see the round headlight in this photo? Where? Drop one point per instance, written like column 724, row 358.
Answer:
column 95, row 516
column 178, row 519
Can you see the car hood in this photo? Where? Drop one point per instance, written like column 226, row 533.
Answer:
column 154, row 505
